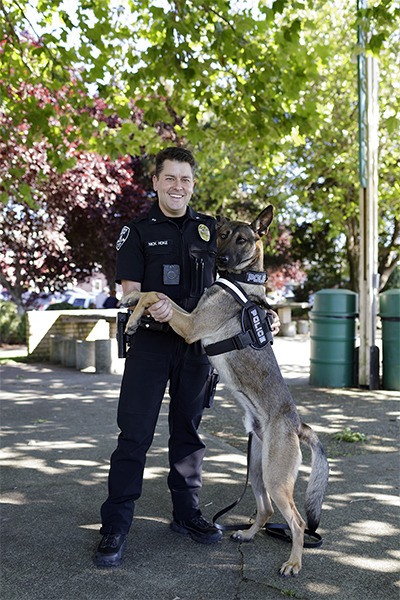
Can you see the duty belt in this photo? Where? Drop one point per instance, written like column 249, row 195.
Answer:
column 147, row 322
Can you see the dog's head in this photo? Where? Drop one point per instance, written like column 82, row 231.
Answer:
column 239, row 246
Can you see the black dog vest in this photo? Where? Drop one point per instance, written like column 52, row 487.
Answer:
column 256, row 327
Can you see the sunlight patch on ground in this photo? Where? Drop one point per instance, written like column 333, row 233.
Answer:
column 94, row 526
column 87, row 482
column 37, row 464
column 228, row 458
column 364, row 563
column 79, row 463
column 385, row 499
column 154, row 472
column 382, row 565
column 371, row 531
column 154, row 519
column 323, row 588
column 52, row 445
column 220, row 478
column 15, row 498
column 384, row 449
column 379, row 486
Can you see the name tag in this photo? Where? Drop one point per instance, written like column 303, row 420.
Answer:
column 158, row 243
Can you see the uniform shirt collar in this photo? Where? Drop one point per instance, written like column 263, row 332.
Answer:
column 157, row 216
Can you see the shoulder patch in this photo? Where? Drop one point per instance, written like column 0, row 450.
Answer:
column 123, row 236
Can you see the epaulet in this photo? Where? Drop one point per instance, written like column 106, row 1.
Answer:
column 200, row 216
column 140, row 219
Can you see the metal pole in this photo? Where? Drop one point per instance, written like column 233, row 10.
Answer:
column 368, row 374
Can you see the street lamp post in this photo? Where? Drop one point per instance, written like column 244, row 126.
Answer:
column 368, row 373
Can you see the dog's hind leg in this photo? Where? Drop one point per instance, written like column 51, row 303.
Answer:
column 263, row 502
column 281, row 463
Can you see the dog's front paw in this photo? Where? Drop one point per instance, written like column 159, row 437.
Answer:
column 290, row 568
column 130, row 299
column 241, row 536
column 131, row 325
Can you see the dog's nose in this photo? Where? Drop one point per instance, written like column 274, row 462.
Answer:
column 222, row 259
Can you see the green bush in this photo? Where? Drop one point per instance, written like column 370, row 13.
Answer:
column 12, row 325
column 61, row 306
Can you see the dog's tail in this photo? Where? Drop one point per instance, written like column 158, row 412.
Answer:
column 318, row 479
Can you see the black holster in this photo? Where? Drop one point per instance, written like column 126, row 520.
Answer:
column 122, row 319
column 211, row 386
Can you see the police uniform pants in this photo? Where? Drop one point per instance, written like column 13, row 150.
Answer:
column 153, row 359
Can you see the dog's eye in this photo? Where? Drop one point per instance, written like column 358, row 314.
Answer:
column 241, row 241
column 223, row 236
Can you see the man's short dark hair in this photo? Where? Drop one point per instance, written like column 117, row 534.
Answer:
column 174, row 153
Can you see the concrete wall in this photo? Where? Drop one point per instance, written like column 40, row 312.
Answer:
column 85, row 325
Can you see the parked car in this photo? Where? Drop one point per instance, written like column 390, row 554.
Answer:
column 79, row 298
column 41, row 301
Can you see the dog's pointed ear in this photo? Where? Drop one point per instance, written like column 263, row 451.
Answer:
column 263, row 221
column 221, row 220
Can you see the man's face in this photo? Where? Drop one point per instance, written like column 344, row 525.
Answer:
column 174, row 187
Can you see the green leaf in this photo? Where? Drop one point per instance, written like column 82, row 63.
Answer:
column 26, row 192
column 279, row 6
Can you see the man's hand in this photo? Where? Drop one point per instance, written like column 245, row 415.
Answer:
column 161, row 311
column 276, row 323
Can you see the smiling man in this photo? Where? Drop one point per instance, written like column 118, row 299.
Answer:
column 172, row 250
column 174, row 186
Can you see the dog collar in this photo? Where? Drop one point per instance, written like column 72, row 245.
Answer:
column 254, row 277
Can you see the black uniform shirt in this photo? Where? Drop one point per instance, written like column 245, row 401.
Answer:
column 179, row 262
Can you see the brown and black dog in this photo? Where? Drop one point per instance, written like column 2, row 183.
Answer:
column 254, row 378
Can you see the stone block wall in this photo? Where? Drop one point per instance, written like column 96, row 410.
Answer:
column 85, row 325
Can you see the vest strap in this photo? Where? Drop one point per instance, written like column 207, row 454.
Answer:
column 257, row 336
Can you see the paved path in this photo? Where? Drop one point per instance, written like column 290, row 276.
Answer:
column 58, row 431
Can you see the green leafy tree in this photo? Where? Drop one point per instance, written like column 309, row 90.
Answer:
column 95, row 199
column 266, row 96
column 324, row 168
column 67, row 226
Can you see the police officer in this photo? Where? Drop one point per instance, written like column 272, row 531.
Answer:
column 171, row 250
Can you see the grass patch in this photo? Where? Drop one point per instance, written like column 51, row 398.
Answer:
column 352, row 437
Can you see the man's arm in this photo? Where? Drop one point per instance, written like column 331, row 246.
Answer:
column 130, row 286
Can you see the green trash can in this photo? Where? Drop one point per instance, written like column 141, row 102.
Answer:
column 389, row 303
column 333, row 335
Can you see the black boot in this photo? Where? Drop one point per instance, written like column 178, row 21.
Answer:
column 109, row 551
column 199, row 530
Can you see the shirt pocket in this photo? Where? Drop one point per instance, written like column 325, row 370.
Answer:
column 158, row 255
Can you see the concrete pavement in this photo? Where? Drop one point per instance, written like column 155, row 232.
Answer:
column 58, row 431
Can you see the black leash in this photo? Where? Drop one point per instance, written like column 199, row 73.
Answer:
column 228, row 508
column 280, row 531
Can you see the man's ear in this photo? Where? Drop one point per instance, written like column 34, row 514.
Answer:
column 261, row 224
